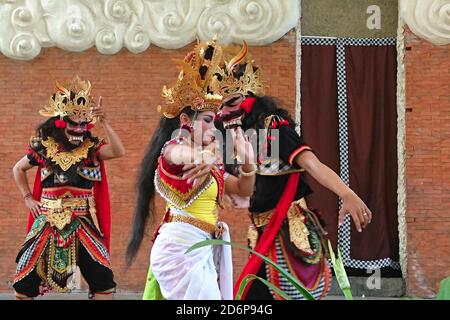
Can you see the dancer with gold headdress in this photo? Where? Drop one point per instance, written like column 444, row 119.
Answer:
column 191, row 204
column 282, row 226
column 69, row 221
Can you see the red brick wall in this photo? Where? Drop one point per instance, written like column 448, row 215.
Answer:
column 427, row 164
column 131, row 84
column 131, row 87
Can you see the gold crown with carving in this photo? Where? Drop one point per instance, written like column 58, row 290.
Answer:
column 70, row 99
column 239, row 75
column 194, row 86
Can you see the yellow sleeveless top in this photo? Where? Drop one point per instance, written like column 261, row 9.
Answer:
column 204, row 207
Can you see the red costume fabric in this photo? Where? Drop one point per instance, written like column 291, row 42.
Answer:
column 102, row 203
column 268, row 237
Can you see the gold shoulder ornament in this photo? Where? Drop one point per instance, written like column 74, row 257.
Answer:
column 66, row 159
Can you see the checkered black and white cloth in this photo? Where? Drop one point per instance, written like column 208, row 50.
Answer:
column 285, row 285
column 92, row 174
column 344, row 230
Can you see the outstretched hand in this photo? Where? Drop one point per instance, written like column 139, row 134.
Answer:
column 204, row 161
column 357, row 209
column 193, row 172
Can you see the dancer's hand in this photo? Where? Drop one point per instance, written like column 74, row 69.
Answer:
column 242, row 146
column 114, row 148
column 206, row 160
column 98, row 111
column 193, row 172
column 34, row 207
column 358, row 210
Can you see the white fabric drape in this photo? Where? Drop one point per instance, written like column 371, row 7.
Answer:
column 203, row 274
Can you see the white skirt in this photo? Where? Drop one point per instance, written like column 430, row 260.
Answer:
column 202, row 274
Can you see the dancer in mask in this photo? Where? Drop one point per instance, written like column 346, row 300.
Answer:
column 282, row 227
column 69, row 220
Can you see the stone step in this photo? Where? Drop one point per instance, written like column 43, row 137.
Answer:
column 369, row 287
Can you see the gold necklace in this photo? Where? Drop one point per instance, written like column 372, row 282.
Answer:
column 65, row 159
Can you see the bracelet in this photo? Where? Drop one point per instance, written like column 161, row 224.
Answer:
column 247, row 174
column 209, row 152
column 28, row 195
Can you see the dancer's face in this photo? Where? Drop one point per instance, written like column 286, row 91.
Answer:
column 76, row 129
column 203, row 127
column 231, row 113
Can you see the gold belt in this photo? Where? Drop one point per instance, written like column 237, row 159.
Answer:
column 59, row 211
column 205, row 226
column 64, row 203
column 262, row 219
column 298, row 231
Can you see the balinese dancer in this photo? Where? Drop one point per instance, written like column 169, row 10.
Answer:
column 191, row 213
column 69, row 221
column 282, row 228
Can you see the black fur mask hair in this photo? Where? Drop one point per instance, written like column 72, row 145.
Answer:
column 264, row 107
column 49, row 129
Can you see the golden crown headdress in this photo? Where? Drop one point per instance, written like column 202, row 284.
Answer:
column 193, row 87
column 70, row 99
column 238, row 75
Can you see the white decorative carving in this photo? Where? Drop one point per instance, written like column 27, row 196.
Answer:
column 428, row 19
column 26, row 26
column 401, row 149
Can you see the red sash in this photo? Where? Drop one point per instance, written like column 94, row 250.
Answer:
column 268, row 237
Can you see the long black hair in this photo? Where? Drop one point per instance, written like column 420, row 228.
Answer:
column 145, row 205
column 265, row 106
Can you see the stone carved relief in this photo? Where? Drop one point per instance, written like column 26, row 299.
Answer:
column 428, row 19
column 110, row 25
